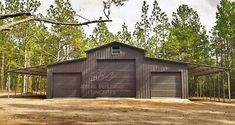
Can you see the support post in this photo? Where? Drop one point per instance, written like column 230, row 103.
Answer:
column 15, row 84
column 197, row 83
column 229, row 89
column 223, row 89
column 22, row 84
column 210, row 85
column 40, row 86
column 218, row 83
column 200, row 88
column 206, row 92
column 9, row 84
column 214, row 89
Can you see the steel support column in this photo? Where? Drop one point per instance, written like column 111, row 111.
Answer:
column 229, row 88
column 9, row 84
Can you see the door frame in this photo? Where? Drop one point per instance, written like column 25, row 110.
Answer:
column 54, row 73
column 116, row 60
column 181, row 79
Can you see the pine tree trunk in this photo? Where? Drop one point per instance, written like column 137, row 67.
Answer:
column 25, row 76
column 223, row 88
column 40, row 79
column 29, row 82
column 58, row 52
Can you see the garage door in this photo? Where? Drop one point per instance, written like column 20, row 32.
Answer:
column 66, row 84
column 166, row 84
column 116, row 78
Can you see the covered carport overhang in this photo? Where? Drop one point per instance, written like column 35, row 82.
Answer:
column 40, row 70
column 202, row 70
column 36, row 70
column 197, row 70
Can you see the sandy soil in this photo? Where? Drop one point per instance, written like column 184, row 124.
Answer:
column 114, row 111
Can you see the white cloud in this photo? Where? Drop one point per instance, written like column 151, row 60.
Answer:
column 213, row 2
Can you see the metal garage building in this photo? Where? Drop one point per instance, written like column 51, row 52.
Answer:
column 117, row 70
column 120, row 70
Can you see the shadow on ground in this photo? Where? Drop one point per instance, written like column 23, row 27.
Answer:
column 25, row 96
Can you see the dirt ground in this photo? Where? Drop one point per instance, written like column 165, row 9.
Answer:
column 114, row 111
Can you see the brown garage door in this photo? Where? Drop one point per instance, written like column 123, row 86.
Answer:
column 66, row 84
column 166, row 84
column 115, row 78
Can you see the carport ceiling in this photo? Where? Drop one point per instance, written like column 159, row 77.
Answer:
column 36, row 70
column 201, row 70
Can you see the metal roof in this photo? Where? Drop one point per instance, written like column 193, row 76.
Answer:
column 195, row 69
column 201, row 69
column 67, row 61
column 165, row 60
column 36, row 70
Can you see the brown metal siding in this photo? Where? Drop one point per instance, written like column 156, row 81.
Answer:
column 66, row 84
column 126, row 53
column 166, row 84
column 144, row 67
column 104, row 53
column 73, row 67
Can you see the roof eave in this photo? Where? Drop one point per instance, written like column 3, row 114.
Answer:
column 165, row 60
column 67, row 61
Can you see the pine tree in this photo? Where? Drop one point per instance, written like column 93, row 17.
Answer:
column 223, row 38
column 142, row 30
column 71, row 39
column 22, row 36
column 187, row 37
column 101, row 35
column 125, row 35
column 159, row 27
column 223, row 34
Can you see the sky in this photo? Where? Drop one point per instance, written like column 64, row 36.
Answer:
column 130, row 13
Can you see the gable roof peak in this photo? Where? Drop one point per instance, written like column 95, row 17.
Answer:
column 112, row 43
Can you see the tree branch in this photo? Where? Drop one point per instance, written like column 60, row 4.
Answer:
column 12, row 24
column 4, row 16
column 83, row 17
column 47, row 20
column 5, row 29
